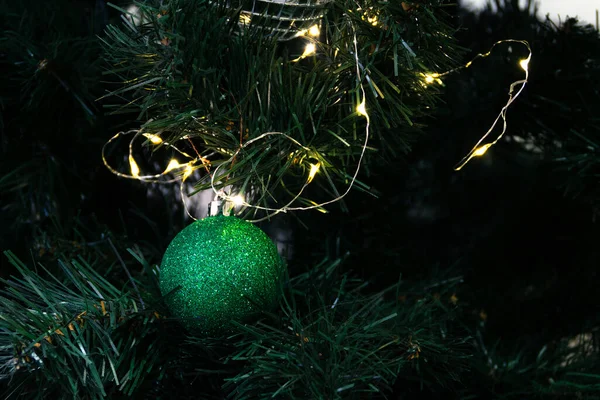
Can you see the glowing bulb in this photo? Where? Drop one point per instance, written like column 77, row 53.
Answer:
column 362, row 108
column 314, row 168
column 237, row 200
column 524, row 63
column 155, row 139
column 314, row 31
column 430, row 78
column 188, row 171
column 135, row 170
column 172, row 165
column 370, row 16
column 309, row 49
column 481, row 150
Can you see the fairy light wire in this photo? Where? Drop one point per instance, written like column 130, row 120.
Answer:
column 360, row 109
column 188, row 167
column 478, row 150
column 219, row 194
column 134, row 168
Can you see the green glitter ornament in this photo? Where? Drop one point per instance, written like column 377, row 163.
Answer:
column 217, row 270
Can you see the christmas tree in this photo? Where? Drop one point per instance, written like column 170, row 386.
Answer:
column 266, row 199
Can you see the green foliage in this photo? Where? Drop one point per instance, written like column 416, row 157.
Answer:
column 49, row 59
column 333, row 339
column 187, row 70
column 565, row 368
column 76, row 334
column 86, row 323
column 579, row 166
column 72, row 334
column 569, row 127
column 50, row 62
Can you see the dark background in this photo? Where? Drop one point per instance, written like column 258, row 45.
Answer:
column 518, row 224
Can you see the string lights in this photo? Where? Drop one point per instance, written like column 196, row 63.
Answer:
column 155, row 139
column 311, row 47
column 314, row 168
column 237, row 200
column 361, row 109
column 431, row 78
column 134, row 170
column 516, row 88
column 371, row 15
column 479, row 149
column 309, row 50
column 313, row 31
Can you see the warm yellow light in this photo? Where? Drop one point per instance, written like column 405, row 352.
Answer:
column 362, row 108
column 135, row 170
column 373, row 20
column 237, row 200
column 309, row 49
column 430, row 78
column 245, row 19
column 314, row 31
column 516, row 88
column 155, row 139
column 314, row 168
column 478, row 152
column 188, row 171
column 172, row 165
column 370, row 16
column 481, row 150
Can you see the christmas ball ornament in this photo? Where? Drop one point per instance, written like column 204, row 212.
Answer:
column 286, row 18
column 217, row 270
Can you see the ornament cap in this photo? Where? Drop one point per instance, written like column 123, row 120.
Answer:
column 215, row 208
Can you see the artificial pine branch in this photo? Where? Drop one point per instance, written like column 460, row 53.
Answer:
column 332, row 339
column 77, row 334
column 187, row 70
column 566, row 368
column 74, row 333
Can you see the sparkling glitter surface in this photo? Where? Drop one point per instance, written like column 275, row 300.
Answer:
column 219, row 269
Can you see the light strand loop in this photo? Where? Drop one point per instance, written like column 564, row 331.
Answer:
column 480, row 149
